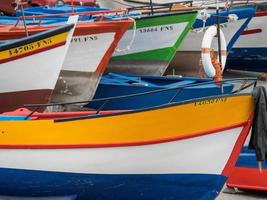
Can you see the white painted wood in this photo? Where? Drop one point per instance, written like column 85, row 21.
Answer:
column 194, row 38
column 147, row 38
column 204, row 154
column 257, row 39
column 34, row 72
column 86, row 51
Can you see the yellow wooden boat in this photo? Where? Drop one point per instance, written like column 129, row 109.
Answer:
column 165, row 152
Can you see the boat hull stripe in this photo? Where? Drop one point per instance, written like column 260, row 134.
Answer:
column 32, row 52
column 125, row 144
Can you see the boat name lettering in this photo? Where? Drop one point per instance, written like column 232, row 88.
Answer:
column 29, row 47
column 210, row 101
column 84, row 39
column 156, row 29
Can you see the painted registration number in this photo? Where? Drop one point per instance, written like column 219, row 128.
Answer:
column 30, row 47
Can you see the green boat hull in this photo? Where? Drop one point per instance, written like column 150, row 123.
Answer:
column 149, row 47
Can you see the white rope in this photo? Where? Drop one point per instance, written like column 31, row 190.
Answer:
column 128, row 47
column 203, row 15
column 17, row 2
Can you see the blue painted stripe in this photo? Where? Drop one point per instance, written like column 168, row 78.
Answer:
column 11, row 20
column 65, row 8
column 14, row 182
column 13, row 118
column 237, row 34
column 249, row 59
column 247, row 158
column 242, row 13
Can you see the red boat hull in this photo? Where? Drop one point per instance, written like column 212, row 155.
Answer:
column 248, row 179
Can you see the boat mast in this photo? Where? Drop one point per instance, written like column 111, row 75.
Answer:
column 218, row 32
column 151, row 7
column 72, row 6
column 19, row 4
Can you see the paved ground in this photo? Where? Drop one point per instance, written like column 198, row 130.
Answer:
column 240, row 195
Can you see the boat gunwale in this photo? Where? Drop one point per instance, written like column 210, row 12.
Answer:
column 191, row 135
column 125, row 16
column 253, row 84
column 161, row 14
column 36, row 37
column 172, row 104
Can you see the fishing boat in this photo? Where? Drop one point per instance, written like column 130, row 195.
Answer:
column 134, row 3
column 10, row 6
column 155, row 153
column 250, row 51
column 168, row 89
column 90, row 50
column 25, row 74
column 187, row 58
column 148, row 47
column 150, row 43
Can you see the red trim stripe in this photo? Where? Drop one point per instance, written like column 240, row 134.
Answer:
column 251, row 31
column 237, row 148
column 156, row 141
column 261, row 14
column 32, row 52
column 105, row 59
column 248, row 178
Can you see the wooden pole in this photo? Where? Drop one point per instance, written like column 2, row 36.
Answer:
column 218, row 33
column 72, row 6
column 20, row 4
column 151, row 6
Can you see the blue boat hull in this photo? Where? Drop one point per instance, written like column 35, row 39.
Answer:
column 149, row 100
column 10, row 20
column 248, row 59
column 107, row 88
column 29, row 183
column 65, row 8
